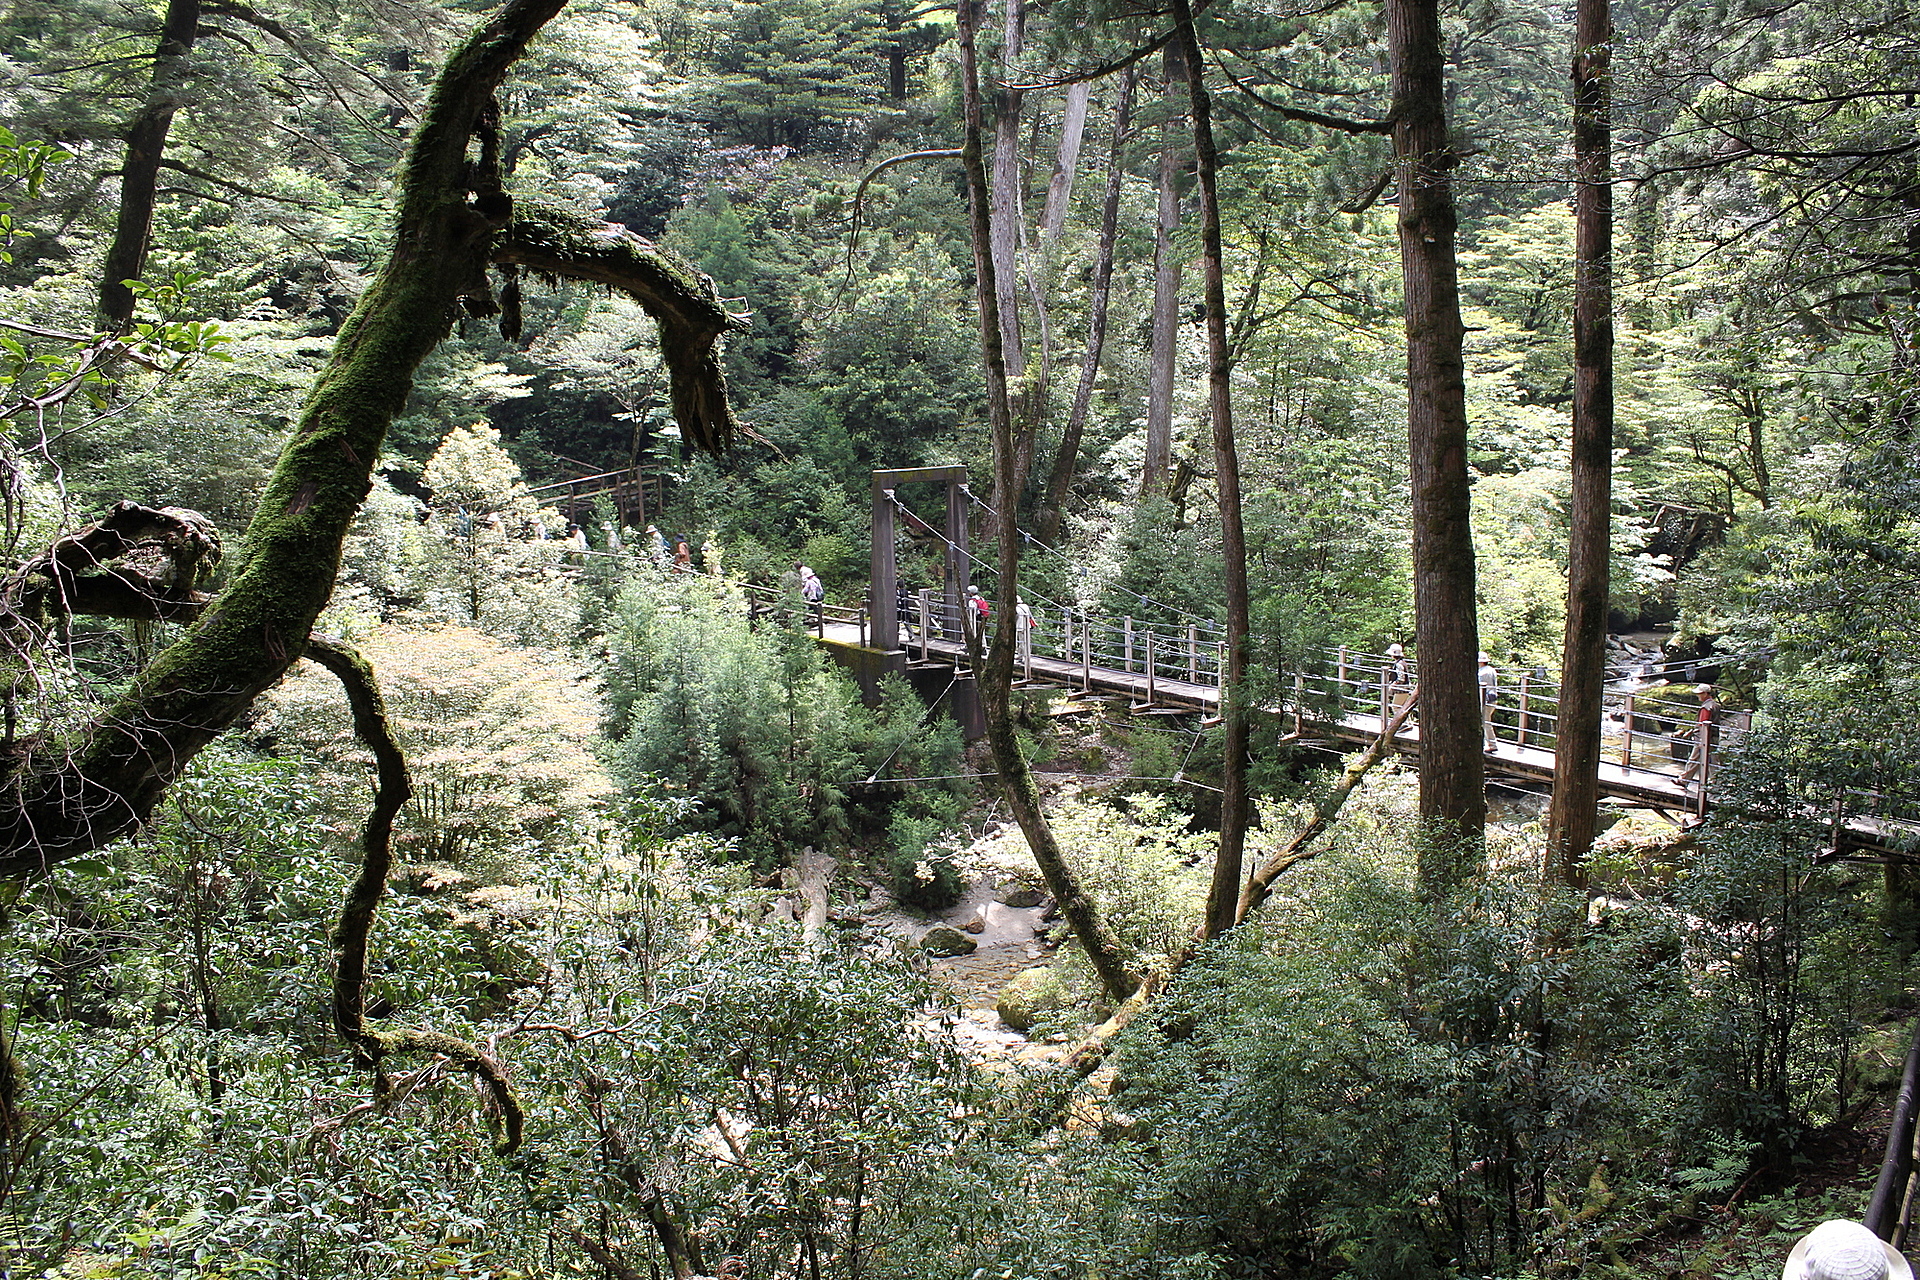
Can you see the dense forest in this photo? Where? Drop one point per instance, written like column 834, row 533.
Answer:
column 443, row 835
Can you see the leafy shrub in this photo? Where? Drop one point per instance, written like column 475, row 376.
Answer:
column 775, row 747
column 499, row 742
column 920, row 865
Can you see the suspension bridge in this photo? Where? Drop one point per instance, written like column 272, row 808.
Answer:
column 1167, row 662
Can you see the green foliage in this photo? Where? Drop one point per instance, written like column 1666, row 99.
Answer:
column 499, row 741
column 776, row 749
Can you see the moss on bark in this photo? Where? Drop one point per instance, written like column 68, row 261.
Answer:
column 66, row 799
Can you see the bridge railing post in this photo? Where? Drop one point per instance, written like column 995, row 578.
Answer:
column 1086, row 652
column 1126, row 631
column 1521, row 737
column 1219, row 664
column 926, row 631
column 1299, row 700
column 1340, row 702
column 1626, row 744
column 1150, row 664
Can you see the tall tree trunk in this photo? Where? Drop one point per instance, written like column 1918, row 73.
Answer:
column 1023, row 796
column 1053, row 506
column 1453, row 798
column 1576, row 755
column 1223, row 898
column 140, row 169
column 1164, row 358
column 1073, row 126
column 1006, row 212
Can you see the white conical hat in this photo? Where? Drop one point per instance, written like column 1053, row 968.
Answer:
column 1842, row 1250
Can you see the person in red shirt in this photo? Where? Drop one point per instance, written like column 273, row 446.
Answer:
column 1702, row 734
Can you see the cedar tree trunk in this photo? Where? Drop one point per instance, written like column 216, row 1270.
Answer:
column 1164, row 358
column 1236, row 805
column 140, row 170
column 1053, row 506
column 1576, row 755
column 1453, row 801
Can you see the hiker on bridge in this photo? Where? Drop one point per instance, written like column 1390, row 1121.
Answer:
column 1489, row 698
column 974, row 613
column 1702, row 736
column 814, row 591
column 1024, row 624
column 657, row 546
column 1399, row 679
column 905, row 606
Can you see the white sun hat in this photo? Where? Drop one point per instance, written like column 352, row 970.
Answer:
column 1842, row 1250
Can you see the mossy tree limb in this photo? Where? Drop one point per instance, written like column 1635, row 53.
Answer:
column 550, row 240
column 372, row 1046
column 65, row 798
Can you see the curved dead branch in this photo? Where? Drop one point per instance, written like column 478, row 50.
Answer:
column 370, row 1045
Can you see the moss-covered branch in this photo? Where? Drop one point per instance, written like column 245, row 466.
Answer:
column 371, row 1046
column 137, row 563
column 60, row 798
column 554, row 241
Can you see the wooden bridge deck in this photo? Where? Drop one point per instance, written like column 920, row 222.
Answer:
column 1651, row 787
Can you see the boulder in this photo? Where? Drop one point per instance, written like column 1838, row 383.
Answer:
column 945, row 940
column 1024, row 896
column 978, row 924
column 1028, row 996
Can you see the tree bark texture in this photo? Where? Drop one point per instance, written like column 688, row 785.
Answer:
column 140, row 168
column 1053, row 506
column 1164, row 358
column 1576, row 762
column 1236, row 806
column 1453, row 801
column 1073, row 126
column 67, row 797
column 1006, row 207
column 1023, row 795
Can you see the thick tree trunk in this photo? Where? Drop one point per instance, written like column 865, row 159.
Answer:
column 1053, row 506
column 1073, row 126
column 1576, row 763
column 1023, row 796
column 1163, row 360
column 1453, row 801
column 1236, row 805
column 65, row 798
column 140, row 169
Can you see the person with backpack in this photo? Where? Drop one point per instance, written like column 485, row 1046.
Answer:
column 974, row 614
column 1489, row 698
column 815, row 593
